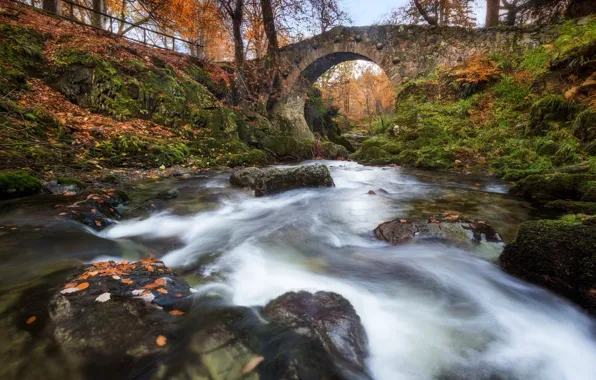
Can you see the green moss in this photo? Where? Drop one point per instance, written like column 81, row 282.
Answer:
column 513, row 175
column 588, row 208
column 548, row 110
column 253, row 157
column 511, row 91
column 584, row 126
column 67, row 181
column 287, row 146
column 547, row 187
column 536, row 60
column 14, row 184
column 558, row 255
column 20, row 55
column 587, row 191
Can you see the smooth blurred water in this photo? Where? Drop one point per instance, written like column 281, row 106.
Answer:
column 430, row 311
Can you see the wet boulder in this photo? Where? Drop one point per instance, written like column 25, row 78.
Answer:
column 559, row 255
column 245, row 177
column 273, row 180
column 121, row 315
column 328, row 318
column 449, row 228
column 97, row 209
column 167, row 195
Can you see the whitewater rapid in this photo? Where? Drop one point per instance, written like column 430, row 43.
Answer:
column 430, row 311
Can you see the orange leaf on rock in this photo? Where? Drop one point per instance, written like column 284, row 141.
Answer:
column 83, row 286
column 70, row 285
column 403, row 221
column 252, row 364
column 162, row 291
column 161, row 341
column 98, row 223
column 31, row 320
column 127, row 281
column 176, row 312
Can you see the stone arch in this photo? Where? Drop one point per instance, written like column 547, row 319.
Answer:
column 304, row 72
column 403, row 52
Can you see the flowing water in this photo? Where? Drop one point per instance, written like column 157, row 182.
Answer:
column 430, row 311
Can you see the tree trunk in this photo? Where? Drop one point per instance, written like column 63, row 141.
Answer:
column 98, row 20
column 52, row 6
column 492, row 13
column 580, row 8
column 269, row 26
column 423, row 12
column 237, row 31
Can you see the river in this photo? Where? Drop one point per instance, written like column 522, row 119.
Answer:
column 430, row 311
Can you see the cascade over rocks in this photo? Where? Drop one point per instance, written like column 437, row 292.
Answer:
column 559, row 255
column 273, row 180
column 446, row 228
column 327, row 317
column 134, row 318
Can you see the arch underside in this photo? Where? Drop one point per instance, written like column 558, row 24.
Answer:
column 314, row 71
column 290, row 106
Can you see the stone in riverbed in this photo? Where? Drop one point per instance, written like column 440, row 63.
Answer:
column 116, row 312
column 446, row 228
column 245, row 177
column 328, row 318
column 557, row 254
column 96, row 209
column 273, row 180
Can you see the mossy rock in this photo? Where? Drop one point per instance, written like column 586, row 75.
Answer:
column 556, row 254
column 514, row 175
column 549, row 187
column 252, row 157
column 587, row 208
column 378, row 150
column 68, row 181
column 289, row 147
column 587, row 191
column 15, row 184
column 20, row 55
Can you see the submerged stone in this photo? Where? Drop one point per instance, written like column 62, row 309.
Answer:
column 447, row 228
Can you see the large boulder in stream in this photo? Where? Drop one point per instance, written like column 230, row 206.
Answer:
column 117, row 317
column 327, row 318
column 559, row 255
column 448, row 228
column 273, row 180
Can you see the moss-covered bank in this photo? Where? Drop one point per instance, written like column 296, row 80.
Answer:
column 525, row 111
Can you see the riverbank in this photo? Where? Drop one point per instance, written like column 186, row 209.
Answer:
column 79, row 103
column 510, row 115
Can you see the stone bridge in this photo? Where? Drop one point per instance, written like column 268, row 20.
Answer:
column 404, row 52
